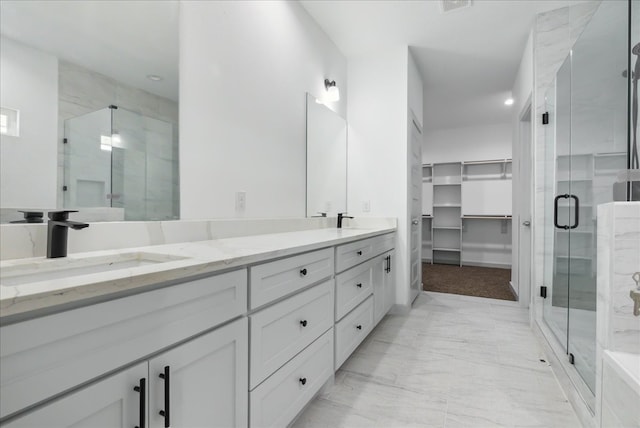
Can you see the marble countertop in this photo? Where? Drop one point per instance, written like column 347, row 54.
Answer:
column 185, row 260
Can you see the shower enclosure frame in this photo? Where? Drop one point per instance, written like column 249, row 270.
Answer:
column 582, row 389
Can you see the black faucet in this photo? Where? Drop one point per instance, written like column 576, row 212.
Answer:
column 57, row 232
column 30, row 217
column 340, row 217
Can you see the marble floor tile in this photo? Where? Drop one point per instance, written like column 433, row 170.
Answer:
column 452, row 361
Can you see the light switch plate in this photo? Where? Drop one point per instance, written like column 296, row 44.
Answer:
column 366, row 206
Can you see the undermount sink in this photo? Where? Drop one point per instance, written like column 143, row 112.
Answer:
column 51, row 269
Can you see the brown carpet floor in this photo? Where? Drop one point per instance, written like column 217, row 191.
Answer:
column 468, row 280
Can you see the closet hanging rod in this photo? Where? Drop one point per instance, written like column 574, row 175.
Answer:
column 486, row 162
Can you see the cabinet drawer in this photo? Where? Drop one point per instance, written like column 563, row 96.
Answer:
column 280, row 331
column 273, row 280
column 352, row 287
column 281, row 397
column 384, row 243
column 49, row 355
column 354, row 253
column 352, row 330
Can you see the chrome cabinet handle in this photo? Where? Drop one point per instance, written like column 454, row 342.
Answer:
column 526, row 223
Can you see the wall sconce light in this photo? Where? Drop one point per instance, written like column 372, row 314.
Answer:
column 333, row 93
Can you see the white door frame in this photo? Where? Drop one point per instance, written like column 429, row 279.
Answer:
column 524, row 207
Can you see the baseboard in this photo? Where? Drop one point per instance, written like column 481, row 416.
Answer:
column 486, row 264
column 570, row 383
column 397, row 309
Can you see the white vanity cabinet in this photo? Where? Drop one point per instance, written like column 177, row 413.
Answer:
column 44, row 357
column 203, row 384
column 291, row 339
column 365, row 291
column 245, row 347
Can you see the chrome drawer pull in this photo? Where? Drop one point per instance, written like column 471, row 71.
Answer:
column 359, row 285
column 303, row 272
column 359, row 327
column 303, row 380
column 303, row 323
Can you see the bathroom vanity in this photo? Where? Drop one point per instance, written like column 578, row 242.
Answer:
column 230, row 332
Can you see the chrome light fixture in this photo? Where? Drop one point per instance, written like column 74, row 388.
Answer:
column 333, row 93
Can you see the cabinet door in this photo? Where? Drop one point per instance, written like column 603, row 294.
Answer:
column 379, row 294
column 204, row 382
column 389, row 281
column 111, row 402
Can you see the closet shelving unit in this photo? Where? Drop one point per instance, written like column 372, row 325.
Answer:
column 486, row 212
column 467, row 213
column 446, row 226
column 427, row 212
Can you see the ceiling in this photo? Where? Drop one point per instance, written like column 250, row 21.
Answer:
column 468, row 58
column 125, row 40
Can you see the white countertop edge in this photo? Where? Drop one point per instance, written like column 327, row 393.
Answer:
column 202, row 257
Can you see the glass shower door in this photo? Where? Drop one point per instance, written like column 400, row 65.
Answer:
column 598, row 153
column 87, row 152
column 558, row 207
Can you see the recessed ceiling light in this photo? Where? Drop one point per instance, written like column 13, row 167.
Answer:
column 508, row 102
column 154, row 77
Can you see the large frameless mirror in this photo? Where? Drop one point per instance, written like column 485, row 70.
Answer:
column 326, row 160
column 90, row 91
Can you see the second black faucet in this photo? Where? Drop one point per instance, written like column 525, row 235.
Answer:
column 342, row 216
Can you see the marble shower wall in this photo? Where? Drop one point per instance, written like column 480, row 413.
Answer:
column 82, row 91
column 618, row 260
column 618, row 330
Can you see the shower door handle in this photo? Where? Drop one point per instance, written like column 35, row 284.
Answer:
column 555, row 211
column 576, row 212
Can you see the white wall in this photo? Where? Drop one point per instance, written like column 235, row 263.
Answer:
column 522, row 94
column 29, row 81
column 377, row 160
column 467, row 144
column 244, row 71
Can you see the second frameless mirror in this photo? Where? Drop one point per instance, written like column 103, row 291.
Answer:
column 326, row 160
